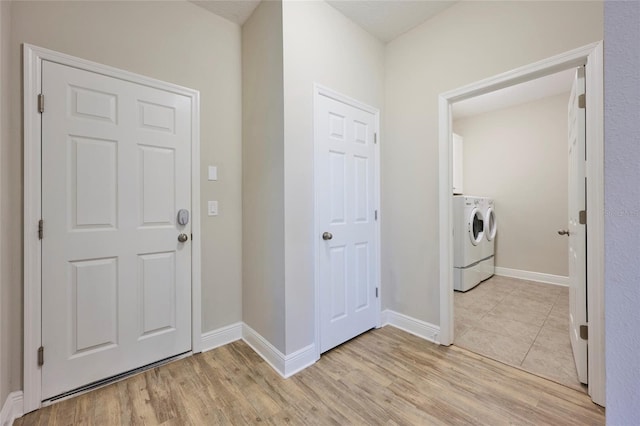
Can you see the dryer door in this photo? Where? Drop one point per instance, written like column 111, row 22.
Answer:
column 476, row 226
column 490, row 226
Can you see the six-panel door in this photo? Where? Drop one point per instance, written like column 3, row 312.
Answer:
column 116, row 282
column 346, row 209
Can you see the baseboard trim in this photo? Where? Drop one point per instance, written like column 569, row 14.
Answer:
column 285, row 365
column 533, row 276
column 299, row 360
column 12, row 409
column 221, row 336
column 411, row 325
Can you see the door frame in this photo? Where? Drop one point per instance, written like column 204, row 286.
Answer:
column 32, row 127
column 319, row 90
column 591, row 56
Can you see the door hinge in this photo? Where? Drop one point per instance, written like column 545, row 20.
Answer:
column 584, row 332
column 40, row 229
column 376, row 292
column 375, row 214
column 40, row 356
column 40, row 103
column 192, row 236
column 582, row 101
column 582, row 217
column 375, row 138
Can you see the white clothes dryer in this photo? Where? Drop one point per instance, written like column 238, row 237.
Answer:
column 489, row 243
column 490, row 227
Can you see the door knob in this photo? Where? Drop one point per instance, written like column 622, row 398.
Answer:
column 327, row 236
column 563, row 232
column 182, row 238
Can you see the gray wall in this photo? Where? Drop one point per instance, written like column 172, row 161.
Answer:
column 9, row 310
column 172, row 41
column 322, row 46
column 287, row 47
column 465, row 43
column 519, row 157
column 622, row 211
column 263, row 304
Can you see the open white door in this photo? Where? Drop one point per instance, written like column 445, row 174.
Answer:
column 116, row 264
column 346, row 190
column 577, row 227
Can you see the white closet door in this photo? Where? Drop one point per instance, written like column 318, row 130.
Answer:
column 346, row 191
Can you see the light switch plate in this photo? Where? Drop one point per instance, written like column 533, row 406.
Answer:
column 213, row 173
column 213, row 208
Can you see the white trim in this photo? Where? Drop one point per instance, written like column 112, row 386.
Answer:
column 221, row 336
column 264, row 348
column 32, row 64
column 591, row 57
column 319, row 90
column 12, row 409
column 299, row 360
column 533, row 276
column 411, row 325
column 285, row 365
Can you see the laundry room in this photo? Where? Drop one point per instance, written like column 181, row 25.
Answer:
column 511, row 179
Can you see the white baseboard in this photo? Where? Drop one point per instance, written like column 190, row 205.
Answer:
column 414, row 326
column 299, row 360
column 221, row 336
column 285, row 365
column 533, row 276
column 12, row 409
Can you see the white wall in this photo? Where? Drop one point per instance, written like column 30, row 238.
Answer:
column 322, row 46
column 176, row 42
column 6, row 308
column 518, row 156
column 263, row 306
column 622, row 211
column 465, row 43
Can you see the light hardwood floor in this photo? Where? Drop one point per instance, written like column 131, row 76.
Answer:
column 385, row 376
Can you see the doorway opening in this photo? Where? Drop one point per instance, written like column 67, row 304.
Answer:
column 512, row 157
column 591, row 58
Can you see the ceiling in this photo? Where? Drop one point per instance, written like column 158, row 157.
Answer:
column 551, row 85
column 388, row 19
column 237, row 11
column 385, row 19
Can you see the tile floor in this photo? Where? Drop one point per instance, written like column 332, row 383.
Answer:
column 521, row 323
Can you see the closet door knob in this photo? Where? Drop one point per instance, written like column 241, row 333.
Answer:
column 327, row 236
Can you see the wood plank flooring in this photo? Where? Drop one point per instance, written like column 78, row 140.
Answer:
column 385, row 376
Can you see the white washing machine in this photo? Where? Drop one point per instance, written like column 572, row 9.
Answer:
column 468, row 237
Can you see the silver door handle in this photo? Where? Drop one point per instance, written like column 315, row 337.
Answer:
column 183, row 238
column 563, row 232
column 327, row 236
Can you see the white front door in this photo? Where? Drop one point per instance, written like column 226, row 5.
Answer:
column 346, row 194
column 577, row 231
column 116, row 282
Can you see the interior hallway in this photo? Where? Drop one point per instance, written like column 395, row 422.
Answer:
column 521, row 323
column 385, row 376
